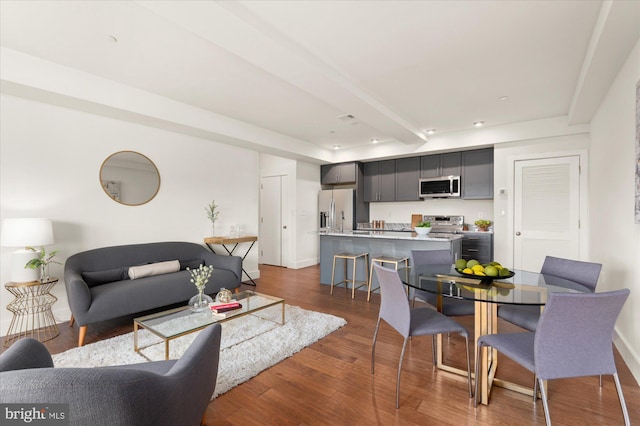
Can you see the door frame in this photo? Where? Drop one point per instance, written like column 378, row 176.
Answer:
column 284, row 215
column 583, row 157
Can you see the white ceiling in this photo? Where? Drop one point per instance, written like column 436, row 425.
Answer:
column 293, row 67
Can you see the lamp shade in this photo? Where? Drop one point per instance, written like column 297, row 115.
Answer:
column 26, row 232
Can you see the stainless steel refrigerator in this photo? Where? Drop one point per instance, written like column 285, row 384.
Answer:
column 337, row 211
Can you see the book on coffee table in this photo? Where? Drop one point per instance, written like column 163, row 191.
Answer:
column 221, row 309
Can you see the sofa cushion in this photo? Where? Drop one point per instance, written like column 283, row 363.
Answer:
column 153, row 269
column 191, row 264
column 103, row 277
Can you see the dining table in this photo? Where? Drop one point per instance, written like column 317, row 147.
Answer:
column 523, row 288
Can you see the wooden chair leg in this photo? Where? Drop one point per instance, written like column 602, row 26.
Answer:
column 81, row 335
column 71, row 321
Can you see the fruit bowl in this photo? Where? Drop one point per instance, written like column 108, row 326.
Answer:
column 485, row 280
column 481, row 277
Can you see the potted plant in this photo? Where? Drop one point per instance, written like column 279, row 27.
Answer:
column 42, row 262
column 423, row 228
column 483, row 224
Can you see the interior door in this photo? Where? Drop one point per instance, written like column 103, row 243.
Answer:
column 272, row 226
column 546, row 210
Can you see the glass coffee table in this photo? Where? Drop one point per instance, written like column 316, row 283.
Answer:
column 174, row 323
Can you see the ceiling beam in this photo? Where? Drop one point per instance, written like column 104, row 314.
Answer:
column 271, row 50
column 616, row 32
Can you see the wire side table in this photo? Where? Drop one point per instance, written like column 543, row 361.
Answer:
column 224, row 241
column 31, row 308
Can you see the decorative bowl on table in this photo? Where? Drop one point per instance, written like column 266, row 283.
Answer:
column 485, row 277
column 486, row 273
column 422, row 230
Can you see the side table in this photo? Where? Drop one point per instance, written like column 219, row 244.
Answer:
column 31, row 308
column 224, row 241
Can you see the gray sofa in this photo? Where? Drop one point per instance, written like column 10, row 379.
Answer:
column 99, row 288
column 154, row 393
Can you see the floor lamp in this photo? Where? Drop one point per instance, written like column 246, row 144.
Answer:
column 25, row 232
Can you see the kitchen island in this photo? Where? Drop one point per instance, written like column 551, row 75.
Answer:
column 378, row 243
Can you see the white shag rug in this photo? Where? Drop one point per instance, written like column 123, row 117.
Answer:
column 249, row 345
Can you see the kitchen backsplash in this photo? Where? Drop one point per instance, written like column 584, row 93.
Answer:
column 400, row 212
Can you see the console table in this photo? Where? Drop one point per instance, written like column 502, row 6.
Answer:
column 31, row 308
column 227, row 241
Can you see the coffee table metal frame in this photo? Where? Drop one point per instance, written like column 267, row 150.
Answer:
column 200, row 320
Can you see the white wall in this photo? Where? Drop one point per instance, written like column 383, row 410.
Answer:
column 50, row 158
column 307, row 221
column 614, row 235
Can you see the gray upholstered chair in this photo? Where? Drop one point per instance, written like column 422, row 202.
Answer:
column 174, row 392
column 395, row 311
column 450, row 307
column 584, row 273
column 567, row 343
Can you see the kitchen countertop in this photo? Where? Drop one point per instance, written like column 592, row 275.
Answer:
column 393, row 235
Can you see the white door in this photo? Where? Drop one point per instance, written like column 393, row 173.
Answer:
column 272, row 226
column 546, row 210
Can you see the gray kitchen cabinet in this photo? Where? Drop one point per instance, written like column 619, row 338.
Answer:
column 379, row 181
column 440, row 165
column 407, row 176
column 478, row 246
column 477, row 174
column 333, row 174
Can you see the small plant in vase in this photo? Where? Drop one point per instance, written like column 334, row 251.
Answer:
column 212, row 214
column 200, row 277
column 483, row 224
column 42, row 262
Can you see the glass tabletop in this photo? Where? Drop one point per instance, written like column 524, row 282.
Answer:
column 524, row 288
column 175, row 322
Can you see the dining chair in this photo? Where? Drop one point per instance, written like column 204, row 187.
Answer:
column 396, row 311
column 584, row 273
column 567, row 343
column 450, row 307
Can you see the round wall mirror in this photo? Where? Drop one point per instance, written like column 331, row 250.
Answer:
column 129, row 178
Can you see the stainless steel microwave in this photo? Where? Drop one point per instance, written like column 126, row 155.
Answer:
column 440, row 187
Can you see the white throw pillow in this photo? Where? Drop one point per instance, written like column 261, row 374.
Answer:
column 154, row 269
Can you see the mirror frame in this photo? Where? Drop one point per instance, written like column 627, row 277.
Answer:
column 121, row 202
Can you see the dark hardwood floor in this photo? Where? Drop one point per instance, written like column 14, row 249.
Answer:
column 330, row 383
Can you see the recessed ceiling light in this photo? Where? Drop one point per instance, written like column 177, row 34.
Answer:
column 478, row 123
column 431, row 131
column 112, row 39
column 503, row 98
column 374, row 141
column 336, row 147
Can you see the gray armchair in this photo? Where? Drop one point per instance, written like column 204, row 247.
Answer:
column 174, row 392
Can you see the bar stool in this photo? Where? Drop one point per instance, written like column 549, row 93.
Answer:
column 354, row 284
column 382, row 260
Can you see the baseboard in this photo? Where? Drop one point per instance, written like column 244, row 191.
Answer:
column 304, row 263
column 630, row 358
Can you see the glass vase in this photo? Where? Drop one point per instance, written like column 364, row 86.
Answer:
column 44, row 272
column 200, row 302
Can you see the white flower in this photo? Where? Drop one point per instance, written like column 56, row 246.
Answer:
column 200, row 276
